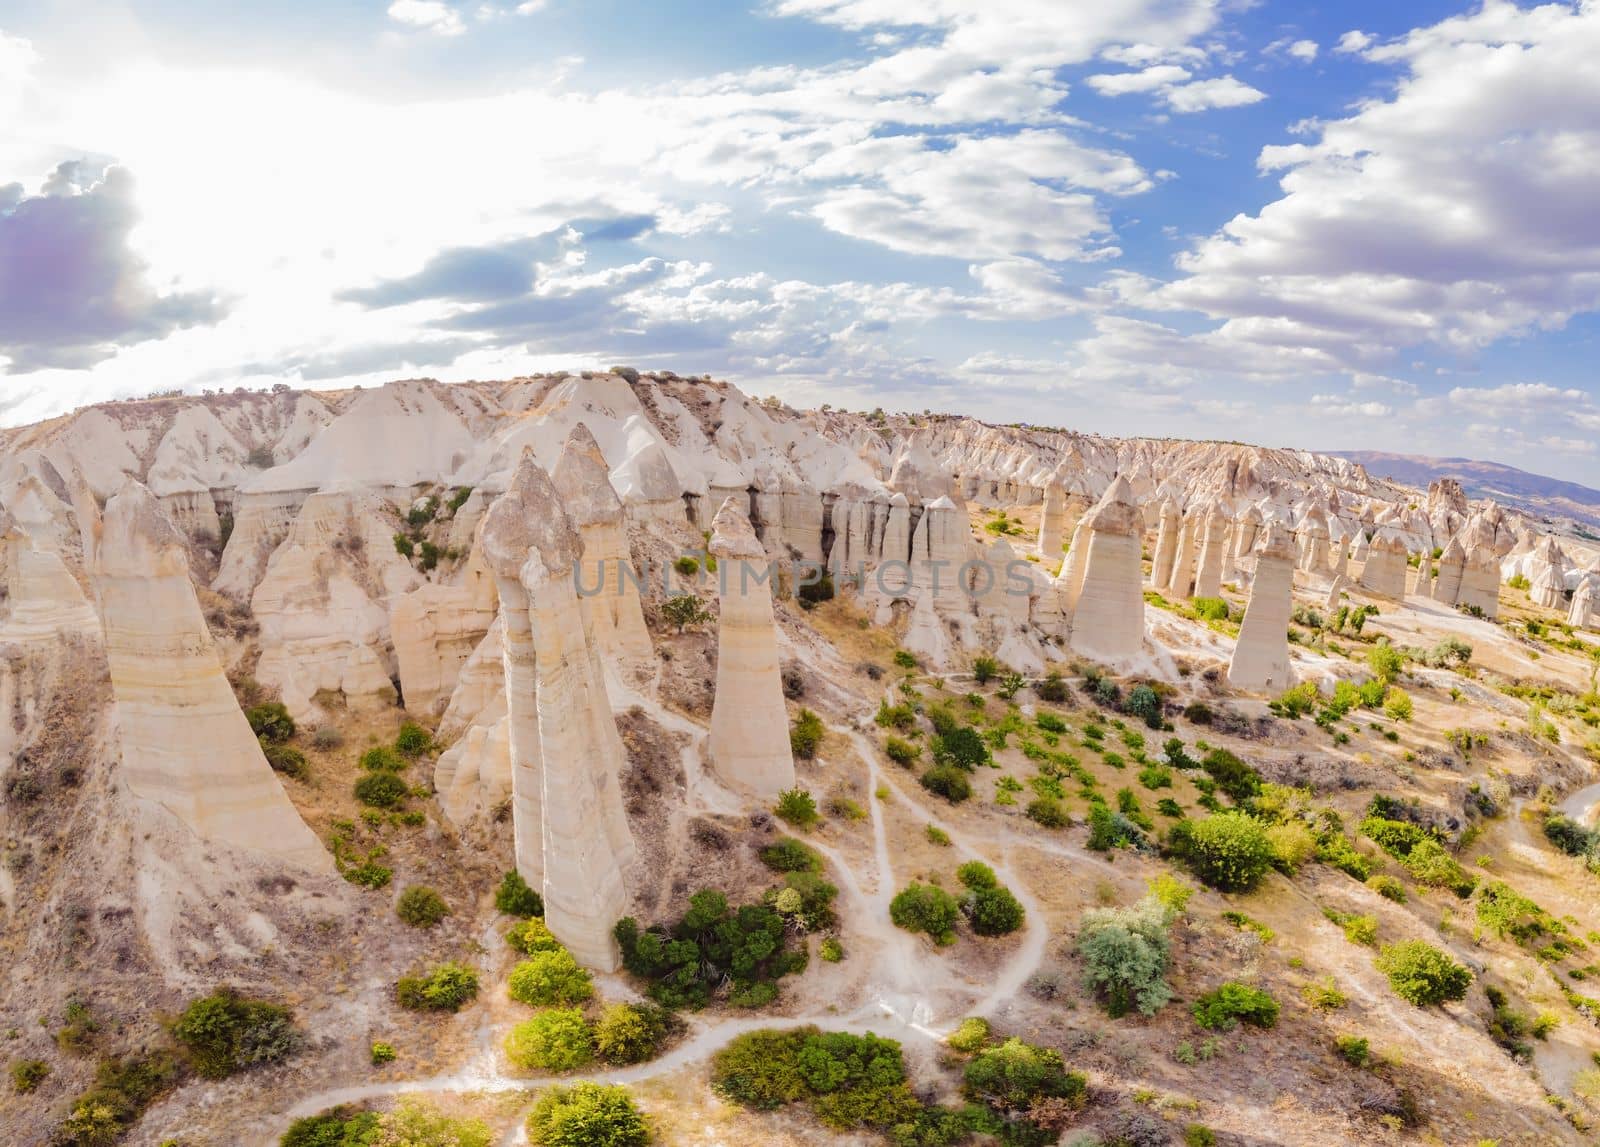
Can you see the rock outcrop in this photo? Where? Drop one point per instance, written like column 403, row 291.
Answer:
column 607, row 590
column 185, row 743
column 1166, row 551
column 1108, row 613
column 1261, row 656
column 749, row 743
column 1213, row 552
column 571, row 831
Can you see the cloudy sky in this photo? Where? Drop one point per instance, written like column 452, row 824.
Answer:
column 1358, row 225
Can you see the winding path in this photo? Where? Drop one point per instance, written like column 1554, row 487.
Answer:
column 903, row 984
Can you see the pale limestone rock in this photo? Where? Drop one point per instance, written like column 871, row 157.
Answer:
column 260, row 523
column 926, row 635
column 1261, row 656
column 185, row 743
column 435, row 628
column 1336, row 591
column 531, row 545
column 749, row 744
column 1452, row 567
column 1384, row 571
column 45, row 600
column 1166, row 544
column 1550, row 589
column 1052, row 519
column 609, row 594
column 1186, row 554
column 1245, row 535
column 1585, row 611
column 1108, row 615
column 473, row 775
column 1480, row 582
column 322, row 606
column 1079, row 499
column 941, row 548
column 1314, row 542
column 1213, row 552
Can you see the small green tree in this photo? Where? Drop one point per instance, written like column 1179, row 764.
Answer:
column 1229, row 851
column 632, row 1033
column 984, row 669
column 587, row 1115
column 550, row 977
column 381, row 790
column 924, row 908
column 270, row 721
column 1421, row 974
column 1229, row 1004
column 421, row 907
column 413, row 739
column 555, row 1040
column 515, row 898
column 1125, row 953
column 806, row 734
column 797, row 807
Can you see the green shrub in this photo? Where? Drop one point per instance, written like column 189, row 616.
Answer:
column 1145, row 704
column 122, row 1090
column 849, row 1081
column 1229, row 1004
column 1211, row 608
column 831, row 950
column 633, row 1033
column 805, row 735
column 1421, row 974
column 936, row 835
column 687, row 566
column 413, row 739
column 27, row 1074
column 421, row 907
column 224, row 1033
column 1354, row 1050
column 976, row 874
column 1015, row 1075
column 285, row 759
column 714, row 943
column 969, row 1036
column 1385, row 661
column 515, row 898
column 1324, row 995
column 532, row 935
column 1050, row 723
column 270, row 721
column 948, row 781
column 550, row 977
column 337, row 1127
column 1125, row 952
column 381, row 790
column 811, row 592
column 1053, row 688
column 797, row 807
column 1229, row 851
column 684, row 610
column 924, row 908
column 786, row 854
column 382, row 759
column 961, row 747
column 446, row 988
column 558, row 1039
column 984, row 669
column 1048, row 812
column 993, row 911
column 1292, row 845
column 1199, row 1135
column 902, row 716
column 587, row 1115
column 904, row 659
column 1397, row 704
column 1235, row 778
column 901, row 751
column 1387, row 887
column 381, row 1053
column 404, row 546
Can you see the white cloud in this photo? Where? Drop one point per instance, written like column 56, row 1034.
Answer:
column 1148, row 80
column 1202, row 95
column 1304, row 50
column 427, row 16
column 1354, row 41
column 1342, row 407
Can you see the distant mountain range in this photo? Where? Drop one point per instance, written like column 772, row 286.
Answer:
column 1534, row 493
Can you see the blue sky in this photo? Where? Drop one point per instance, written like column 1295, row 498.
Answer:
column 1351, row 226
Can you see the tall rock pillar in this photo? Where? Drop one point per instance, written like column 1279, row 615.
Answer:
column 749, row 724
column 1261, row 655
column 1108, row 615
column 1166, row 544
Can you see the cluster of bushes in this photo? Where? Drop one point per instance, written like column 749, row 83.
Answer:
column 122, row 1090
column 448, row 987
column 273, row 727
column 1229, row 1004
column 381, row 786
column 989, row 906
column 225, row 1033
column 1230, row 851
column 1421, row 974
column 1574, row 839
column 563, row 1038
column 1016, row 1092
column 413, row 1121
column 357, row 866
column 926, row 908
column 714, row 943
column 1420, row 851
column 1143, row 700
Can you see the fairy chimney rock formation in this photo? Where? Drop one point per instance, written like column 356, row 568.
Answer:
column 1213, row 549
column 1452, row 567
column 1052, row 519
column 1261, row 656
column 1384, row 572
column 749, row 725
column 185, row 742
column 607, row 593
column 1166, row 544
column 566, row 794
column 1108, row 613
